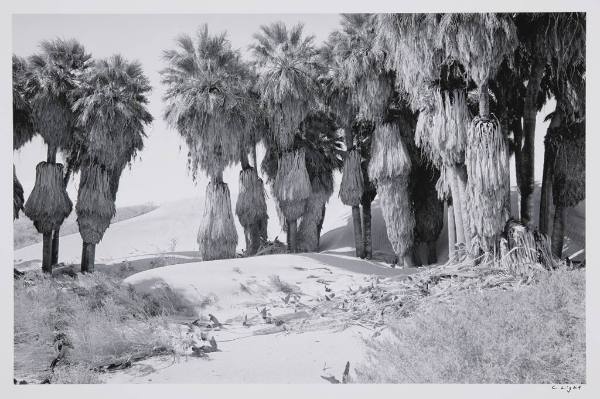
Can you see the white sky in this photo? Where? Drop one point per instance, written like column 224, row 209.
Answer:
column 160, row 173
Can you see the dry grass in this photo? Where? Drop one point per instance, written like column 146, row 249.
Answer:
column 527, row 334
column 98, row 320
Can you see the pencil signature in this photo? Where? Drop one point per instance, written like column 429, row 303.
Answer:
column 567, row 388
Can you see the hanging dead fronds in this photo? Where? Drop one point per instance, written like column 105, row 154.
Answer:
column 292, row 184
column 389, row 156
column 351, row 187
column 398, row 213
column 428, row 208
column 251, row 207
column 18, row 199
column 444, row 183
column 217, row 237
column 312, row 218
column 479, row 41
column 487, row 166
column 568, row 145
column 95, row 206
column 48, row 204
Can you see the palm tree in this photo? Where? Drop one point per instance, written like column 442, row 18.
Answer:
column 111, row 113
column 318, row 138
column 251, row 206
column 53, row 76
column 564, row 160
column 287, row 63
column 23, row 130
column 207, row 85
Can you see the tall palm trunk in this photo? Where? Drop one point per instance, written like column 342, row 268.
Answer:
column 47, row 253
column 366, row 222
column 451, row 230
column 464, row 207
column 457, row 208
column 547, row 178
column 88, row 255
column 292, row 234
column 558, row 230
column 528, row 155
column 56, row 234
column 358, row 235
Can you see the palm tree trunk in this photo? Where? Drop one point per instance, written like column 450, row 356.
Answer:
column 244, row 159
column 464, row 208
column 292, row 233
column 254, row 159
column 529, row 121
column 547, row 178
column 56, row 233
column 451, row 231
column 546, row 192
column 431, row 253
column 460, row 231
column 358, row 235
column 558, row 231
column 51, row 156
column 47, row 253
column 88, row 254
column 366, row 222
column 517, row 130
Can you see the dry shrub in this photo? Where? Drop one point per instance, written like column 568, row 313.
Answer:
column 48, row 204
column 533, row 334
column 99, row 320
column 95, row 206
column 352, row 185
column 217, row 237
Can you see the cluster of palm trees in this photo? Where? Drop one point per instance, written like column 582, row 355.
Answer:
column 430, row 107
column 93, row 113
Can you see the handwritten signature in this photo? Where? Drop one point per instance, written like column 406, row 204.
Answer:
column 567, row 388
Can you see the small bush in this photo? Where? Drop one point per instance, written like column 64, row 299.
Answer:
column 533, row 334
column 99, row 321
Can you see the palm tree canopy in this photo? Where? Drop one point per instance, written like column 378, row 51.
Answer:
column 362, row 65
column 111, row 111
column 53, row 76
column 23, row 129
column 287, row 62
column 207, row 99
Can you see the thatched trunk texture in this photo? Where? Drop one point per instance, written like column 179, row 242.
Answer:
column 399, row 217
column 95, row 206
column 366, row 222
column 217, row 237
column 352, row 188
column 488, row 173
column 18, row 197
column 48, row 204
column 526, row 183
column 312, row 219
column 251, row 209
column 292, row 188
column 390, row 167
column 568, row 187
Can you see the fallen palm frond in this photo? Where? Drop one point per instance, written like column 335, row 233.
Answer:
column 95, row 206
column 568, row 144
column 292, row 184
column 48, row 204
column 398, row 213
column 488, row 170
column 389, row 156
column 217, row 237
column 351, row 187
